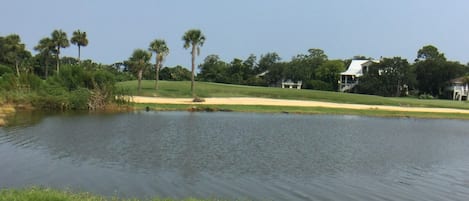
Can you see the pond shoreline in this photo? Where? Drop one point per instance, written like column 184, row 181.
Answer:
column 264, row 105
column 267, row 105
column 5, row 110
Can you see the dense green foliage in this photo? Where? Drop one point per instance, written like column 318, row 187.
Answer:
column 434, row 72
column 430, row 74
column 389, row 77
column 73, row 88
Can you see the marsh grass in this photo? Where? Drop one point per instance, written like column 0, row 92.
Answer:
column 46, row 194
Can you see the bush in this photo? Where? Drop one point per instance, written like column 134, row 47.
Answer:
column 50, row 102
column 318, row 85
column 124, row 76
column 426, row 96
column 72, row 77
column 5, row 69
column 32, row 81
column 9, row 82
column 103, row 80
column 78, row 99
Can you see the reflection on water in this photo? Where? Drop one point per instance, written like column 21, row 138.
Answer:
column 238, row 156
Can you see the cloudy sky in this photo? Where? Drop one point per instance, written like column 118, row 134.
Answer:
column 235, row 29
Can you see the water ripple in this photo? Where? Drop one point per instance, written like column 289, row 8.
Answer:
column 241, row 156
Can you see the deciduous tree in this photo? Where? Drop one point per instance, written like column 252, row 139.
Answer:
column 389, row 77
column 13, row 52
column 433, row 71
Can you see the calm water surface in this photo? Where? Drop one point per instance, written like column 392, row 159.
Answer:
column 239, row 156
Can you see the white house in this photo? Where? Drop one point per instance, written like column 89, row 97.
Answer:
column 350, row 77
column 292, row 85
column 460, row 88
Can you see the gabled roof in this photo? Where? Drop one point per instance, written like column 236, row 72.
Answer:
column 459, row 80
column 355, row 68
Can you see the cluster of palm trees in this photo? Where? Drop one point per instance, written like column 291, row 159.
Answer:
column 140, row 58
column 58, row 40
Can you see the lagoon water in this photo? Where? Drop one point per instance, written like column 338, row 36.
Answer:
column 239, row 156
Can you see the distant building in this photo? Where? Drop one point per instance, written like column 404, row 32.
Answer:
column 459, row 88
column 350, row 78
column 291, row 85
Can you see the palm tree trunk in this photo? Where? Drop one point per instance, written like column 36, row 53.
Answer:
column 157, row 70
column 58, row 60
column 47, row 64
column 79, row 52
column 139, row 77
column 193, row 67
column 17, row 68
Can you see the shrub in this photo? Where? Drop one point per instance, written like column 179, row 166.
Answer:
column 318, row 85
column 71, row 76
column 9, row 82
column 426, row 96
column 78, row 99
column 31, row 81
column 5, row 69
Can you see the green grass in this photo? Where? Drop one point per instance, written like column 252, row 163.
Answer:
column 44, row 194
column 181, row 89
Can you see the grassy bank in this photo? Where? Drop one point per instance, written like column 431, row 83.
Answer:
column 41, row 194
column 4, row 111
column 181, row 89
column 299, row 110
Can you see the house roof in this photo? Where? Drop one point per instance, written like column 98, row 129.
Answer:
column 355, row 68
column 459, row 80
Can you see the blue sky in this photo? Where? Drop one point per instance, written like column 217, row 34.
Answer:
column 235, row 29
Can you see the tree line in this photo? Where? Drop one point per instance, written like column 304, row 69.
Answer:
column 429, row 74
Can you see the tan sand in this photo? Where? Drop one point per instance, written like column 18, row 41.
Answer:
column 283, row 102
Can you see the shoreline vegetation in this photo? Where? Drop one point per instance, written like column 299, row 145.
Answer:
column 176, row 96
column 5, row 110
column 47, row 194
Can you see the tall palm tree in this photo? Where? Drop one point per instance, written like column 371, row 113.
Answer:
column 79, row 39
column 45, row 47
column 60, row 40
column 195, row 39
column 138, row 62
column 161, row 50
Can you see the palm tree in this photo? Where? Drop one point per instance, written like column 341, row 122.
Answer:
column 196, row 39
column 59, row 39
column 46, row 47
column 79, row 39
column 138, row 62
column 161, row 50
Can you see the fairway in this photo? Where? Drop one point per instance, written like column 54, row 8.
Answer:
column 181, row 89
